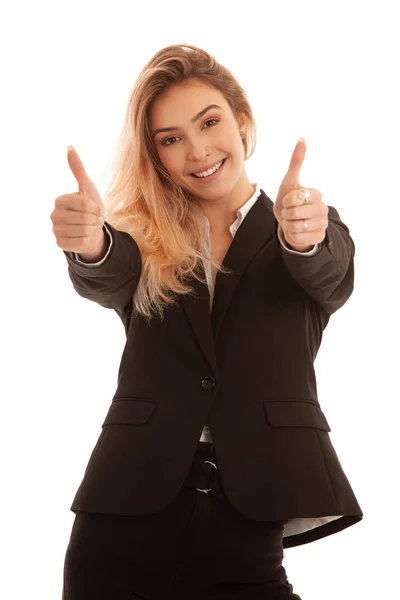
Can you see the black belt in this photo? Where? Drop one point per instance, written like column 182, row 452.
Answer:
column 203, row 474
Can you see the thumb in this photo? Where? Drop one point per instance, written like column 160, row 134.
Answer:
column 291, row 179
column 86, row 186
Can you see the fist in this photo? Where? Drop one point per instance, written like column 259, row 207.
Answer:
column 300, row 212
column 78, row 217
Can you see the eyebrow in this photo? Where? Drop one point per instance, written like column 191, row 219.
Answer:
column 193, row 120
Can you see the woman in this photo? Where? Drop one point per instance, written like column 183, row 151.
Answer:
column 215, row 454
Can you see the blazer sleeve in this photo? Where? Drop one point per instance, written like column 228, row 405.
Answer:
column 112, row 281
column 328, row 275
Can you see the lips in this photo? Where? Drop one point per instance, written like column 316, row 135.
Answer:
column 211, row 166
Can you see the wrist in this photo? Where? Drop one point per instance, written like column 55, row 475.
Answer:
column 98, row 252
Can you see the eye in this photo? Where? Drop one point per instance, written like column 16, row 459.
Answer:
column 165, row 142
column 208, row 120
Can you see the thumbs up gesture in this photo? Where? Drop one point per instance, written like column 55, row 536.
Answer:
column 78, row 218
column 300, row 212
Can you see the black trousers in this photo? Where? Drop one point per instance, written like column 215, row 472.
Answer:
column 199, row 546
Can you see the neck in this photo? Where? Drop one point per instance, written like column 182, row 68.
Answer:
column 221, row 212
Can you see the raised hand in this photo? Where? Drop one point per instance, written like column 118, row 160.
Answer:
column 300, row 211
column 78, row 217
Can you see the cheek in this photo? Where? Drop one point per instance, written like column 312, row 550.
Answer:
column 169, row 161
column 231, row 143
column 173, row 158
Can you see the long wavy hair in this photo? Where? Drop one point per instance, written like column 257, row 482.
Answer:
column 142, row 199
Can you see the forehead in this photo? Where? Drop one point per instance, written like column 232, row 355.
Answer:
column 179, row 103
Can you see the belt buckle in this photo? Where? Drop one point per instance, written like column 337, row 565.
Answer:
column 206, row 490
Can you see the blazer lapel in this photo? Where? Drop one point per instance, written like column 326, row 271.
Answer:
column 254, row 232
column 197, row 308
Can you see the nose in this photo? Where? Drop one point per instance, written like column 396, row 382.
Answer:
column 197, row 151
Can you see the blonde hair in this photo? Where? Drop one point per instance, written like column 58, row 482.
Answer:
column 144, row 201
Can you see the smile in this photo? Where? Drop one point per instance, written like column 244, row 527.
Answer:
column 210, row 172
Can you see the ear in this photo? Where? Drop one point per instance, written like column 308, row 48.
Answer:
column 242, row 122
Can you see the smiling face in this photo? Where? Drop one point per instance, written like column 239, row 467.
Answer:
column 197, row 138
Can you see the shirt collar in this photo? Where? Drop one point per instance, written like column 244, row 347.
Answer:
column 241, row 212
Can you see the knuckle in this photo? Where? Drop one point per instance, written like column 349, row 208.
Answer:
column 94, row 207
column 90, row 219
column 289, row 226
column 87, row 230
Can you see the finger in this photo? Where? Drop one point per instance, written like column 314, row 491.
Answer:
column 85, row 217
column 75, row 231
column 292, row 197
column 296, row 161
column 77, row 169
column 76, row 203
column 295, row 213
column 85, row 184
column 291, row 179
column 298, row 226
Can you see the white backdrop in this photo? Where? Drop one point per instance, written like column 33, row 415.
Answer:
column 326, row 71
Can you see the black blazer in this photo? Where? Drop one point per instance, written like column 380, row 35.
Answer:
column 246, row 369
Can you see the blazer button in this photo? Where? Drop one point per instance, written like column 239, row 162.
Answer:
column 208, row 383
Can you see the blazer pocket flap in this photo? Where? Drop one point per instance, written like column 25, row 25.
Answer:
column 295, row 414
column 129, row 411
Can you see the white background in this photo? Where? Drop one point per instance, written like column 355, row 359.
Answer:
column 327, row 71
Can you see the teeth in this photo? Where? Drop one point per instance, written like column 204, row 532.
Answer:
column 210, row 171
